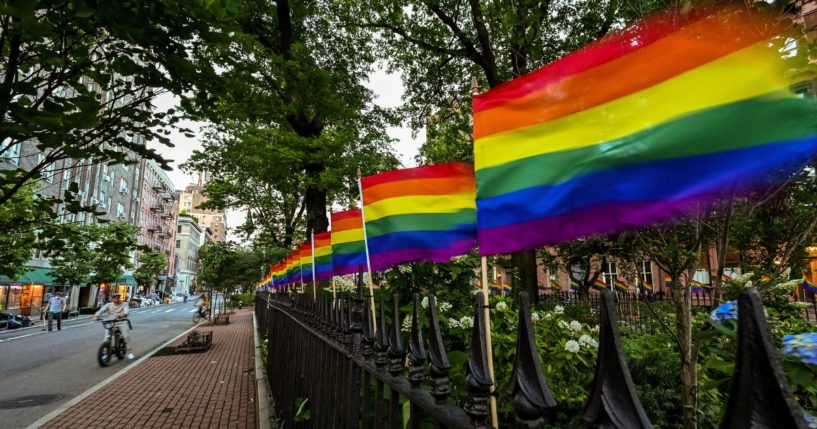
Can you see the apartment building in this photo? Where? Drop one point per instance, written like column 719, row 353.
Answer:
column 156, row 216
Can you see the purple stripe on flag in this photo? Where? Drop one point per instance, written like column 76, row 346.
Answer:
column 388, row 259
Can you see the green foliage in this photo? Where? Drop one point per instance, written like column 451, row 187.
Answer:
column 20, row 218
column 151, row 264
column 80, row 73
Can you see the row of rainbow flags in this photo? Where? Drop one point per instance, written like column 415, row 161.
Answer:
column 637, row 128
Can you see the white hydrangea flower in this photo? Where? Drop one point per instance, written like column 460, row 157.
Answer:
column 801, row 304
column 588, row 341
column 548, row 316
column 534, row 317
column 444, row 306
column 572, row 346
column 575, row 326
column 745, row 278
column 453, row 323
column 563, row 324
column 467, row 322
column 405, row 269
column 406, row 326
column 559, row 309
column 424, row 302
column 595, row 329
column 789, row 285
column 501, row 306
column 748, row 284
column 786, row 272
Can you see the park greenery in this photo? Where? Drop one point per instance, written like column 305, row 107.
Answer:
column 291, row 119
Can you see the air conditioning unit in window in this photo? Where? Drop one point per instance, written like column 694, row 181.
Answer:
column 135, row 197
column 120, row 215
column 103, row 205
column 94, row 201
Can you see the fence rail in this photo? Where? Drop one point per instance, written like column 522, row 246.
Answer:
column 328, row 358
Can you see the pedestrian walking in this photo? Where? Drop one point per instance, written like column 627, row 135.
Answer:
column 56, row 305
column 44, row 310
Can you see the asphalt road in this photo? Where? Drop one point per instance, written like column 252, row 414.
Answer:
column 63, row 363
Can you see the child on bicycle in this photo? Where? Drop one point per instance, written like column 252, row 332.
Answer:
column 117, row 310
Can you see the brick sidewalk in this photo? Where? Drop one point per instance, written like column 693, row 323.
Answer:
column 215, row 389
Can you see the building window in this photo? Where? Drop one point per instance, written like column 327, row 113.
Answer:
column 646, row 273
column 178, row 243
column 180, row 229
column 120, row 210
column 10, row 151
column 609, row 272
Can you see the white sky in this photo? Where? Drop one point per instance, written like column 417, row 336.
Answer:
column 389, row 92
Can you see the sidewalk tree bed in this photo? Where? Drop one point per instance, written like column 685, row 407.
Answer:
column 196, row 342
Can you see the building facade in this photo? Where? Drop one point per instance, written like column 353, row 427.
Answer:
column 156, row 216
column 192, row 197
column 189, row 236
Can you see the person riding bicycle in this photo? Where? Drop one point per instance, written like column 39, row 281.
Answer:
column 204, row 304
column 117, row 310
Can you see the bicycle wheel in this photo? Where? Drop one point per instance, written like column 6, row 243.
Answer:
column 103, row 356
column 196, row 317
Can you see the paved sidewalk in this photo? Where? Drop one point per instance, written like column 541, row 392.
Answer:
column 215, row 389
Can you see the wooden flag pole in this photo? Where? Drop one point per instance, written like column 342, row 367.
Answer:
column 488, row 342
column 314, row 284
column 366, row 246
column 485, row 302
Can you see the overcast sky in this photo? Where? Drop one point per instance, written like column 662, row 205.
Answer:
column 387, row 87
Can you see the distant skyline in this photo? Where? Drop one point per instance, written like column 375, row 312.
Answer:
column 388, row 89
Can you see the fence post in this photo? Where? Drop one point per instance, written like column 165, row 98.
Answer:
column 612, row 401
column 417, row 352
column 760, row 395
column 381, row 345
column 477, row 380
column 396, row 352
column 530, row 393
column 439, row 366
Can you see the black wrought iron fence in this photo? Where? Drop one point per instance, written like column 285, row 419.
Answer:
column 329, row 367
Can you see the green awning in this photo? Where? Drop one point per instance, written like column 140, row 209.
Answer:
column 37, row 276
column 127, row 280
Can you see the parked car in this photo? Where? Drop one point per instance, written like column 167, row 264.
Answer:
column 9, row 321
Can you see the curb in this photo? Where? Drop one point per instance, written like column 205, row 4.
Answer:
column 79, row 398
column 262, row 395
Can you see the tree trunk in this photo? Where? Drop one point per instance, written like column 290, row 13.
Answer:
column 689, row 375
column 315, row 200
column 525, row 262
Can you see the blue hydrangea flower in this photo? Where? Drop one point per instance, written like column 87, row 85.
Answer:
column 725, row 311
column 724, row 318
column 811, row 421
column 801, row 346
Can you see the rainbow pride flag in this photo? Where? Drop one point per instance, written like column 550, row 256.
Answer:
column 306, row 262
column 621, row 285
column 278, row 272
column 323, row 256
column 646, row 286
column 698, row 287
column 641, row 126
column 809, row 284
column 668, row 281
column 348, row 245
column 423, row 213
column 599, row 284
column 574, row 286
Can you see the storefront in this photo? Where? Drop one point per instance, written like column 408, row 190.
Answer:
column 26, row 295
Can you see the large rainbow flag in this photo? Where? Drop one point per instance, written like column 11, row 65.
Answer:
column 348, row 245
column 422, row 213
column 621, row 285
column 278, row 272
column 323, row 256
column 637, row 128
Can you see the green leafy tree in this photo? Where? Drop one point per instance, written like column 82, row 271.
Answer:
column 151, row 264
column 292, row 119
column 20, row 220
column 78, row 77
column 112, row 250
column 72, row 253
column 218, row 267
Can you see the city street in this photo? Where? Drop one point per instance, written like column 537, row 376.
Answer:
column 62, row 364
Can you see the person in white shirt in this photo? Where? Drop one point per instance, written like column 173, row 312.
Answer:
column 116, row 309
column 56, row 305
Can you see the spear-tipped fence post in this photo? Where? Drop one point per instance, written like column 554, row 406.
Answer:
column 381, row 345
column 417, row 351
column 478, row 381
column 613, row 401
column 761, row 396
column 356, row 321
column 368, row 330
column 528, row 389
column 396, row 352
column 438, row 360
